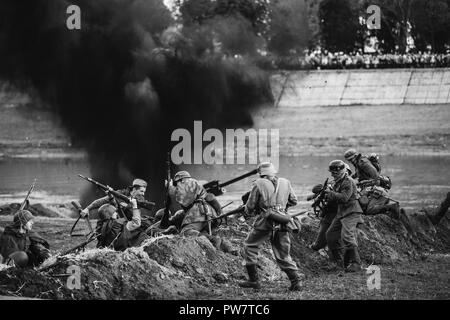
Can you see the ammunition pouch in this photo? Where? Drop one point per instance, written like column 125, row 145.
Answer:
column 278, row 215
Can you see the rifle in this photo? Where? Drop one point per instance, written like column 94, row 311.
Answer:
column 217, row 188
column 319, row 199
column 165, row 218
column 77, row 206
column 108, row 190
column 52, row 261
column 24, row 203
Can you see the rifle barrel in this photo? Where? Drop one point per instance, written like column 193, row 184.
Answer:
column 248, row 174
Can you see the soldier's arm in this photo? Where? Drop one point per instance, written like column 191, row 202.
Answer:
column 135, row 221
column 98, row 203
column 343, row 196
column 252, row 201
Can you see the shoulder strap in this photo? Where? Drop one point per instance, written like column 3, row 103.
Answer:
column 273, row 199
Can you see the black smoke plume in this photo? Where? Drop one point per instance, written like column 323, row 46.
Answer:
column 125, row 80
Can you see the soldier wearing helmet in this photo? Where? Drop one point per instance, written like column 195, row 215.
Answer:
column 197, row 205
column 21, row 245
column 364, row 169
column 270, row 193
column 135, row 191
column 343, row 227
column 117, row 233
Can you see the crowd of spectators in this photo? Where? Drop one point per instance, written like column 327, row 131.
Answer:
column 323, row 59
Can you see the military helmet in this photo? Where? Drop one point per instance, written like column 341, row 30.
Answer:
column 139, row 183
column 180, row 175
column 350, row 154
column 23, row 216
column 266, row 169
column 336, row 165
column 20, row 259
column 106, row 211
column 317, row 188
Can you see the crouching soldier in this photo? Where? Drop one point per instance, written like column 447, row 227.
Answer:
column 197, row 205
column 343, row 227
column 22, row 246
column 117, row 233
column 328, row 212
column 270, row 193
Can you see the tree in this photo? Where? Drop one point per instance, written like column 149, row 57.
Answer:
column 289, row 28
column 339, row 24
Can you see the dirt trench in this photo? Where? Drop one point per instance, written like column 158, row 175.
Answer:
column 173, row 267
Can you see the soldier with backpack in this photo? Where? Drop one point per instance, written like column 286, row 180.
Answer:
column 374, row 195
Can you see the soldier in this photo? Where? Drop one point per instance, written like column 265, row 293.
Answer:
column 136, row 191
column 374, row 196
column 364, row 169
column 270, row 193
column 343, row 227
column 116, row 232
column 21, row 245
column 328, row 212
column 197, row 205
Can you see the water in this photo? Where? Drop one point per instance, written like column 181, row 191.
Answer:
column 417, row 181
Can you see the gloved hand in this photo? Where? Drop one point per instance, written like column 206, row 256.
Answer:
column 134, row 203
column 84, row 213
column 170, row 183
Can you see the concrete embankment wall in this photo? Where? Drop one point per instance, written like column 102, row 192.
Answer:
column 368, row 87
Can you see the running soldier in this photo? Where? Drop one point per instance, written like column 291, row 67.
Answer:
column 270, row 193
column 343, row 227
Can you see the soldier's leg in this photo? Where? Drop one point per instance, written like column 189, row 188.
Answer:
column 321, row 240
column 352, row 261
column 281, row 246
column 251, row 250
column 334, row 242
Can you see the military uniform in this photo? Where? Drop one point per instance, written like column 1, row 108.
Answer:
column 118, row 233
column 195, row 209
column 15, row 239
column 269, row 193
column 347, row 218
column 329, row 212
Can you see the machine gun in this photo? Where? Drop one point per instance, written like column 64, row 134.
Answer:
column 319, row 199
column 24, row 203
column 217, row 188
column 108, row 190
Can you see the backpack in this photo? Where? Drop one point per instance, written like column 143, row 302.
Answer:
column 375, row 160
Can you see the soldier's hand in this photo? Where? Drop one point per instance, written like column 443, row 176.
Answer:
column 84, row 213
column 123, row 204
column 134, row 203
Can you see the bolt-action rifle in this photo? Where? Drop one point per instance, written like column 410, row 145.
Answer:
column 217, row 188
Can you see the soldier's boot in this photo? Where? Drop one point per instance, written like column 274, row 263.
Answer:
column 253, row 280
column 336, row 260
column 393, row 210
column 353, row 261
column 295, row 280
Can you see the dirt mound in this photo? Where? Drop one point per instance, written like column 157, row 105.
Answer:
column 38, row 210
column 173, row 267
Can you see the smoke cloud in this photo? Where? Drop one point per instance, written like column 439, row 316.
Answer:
column 125, row 80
